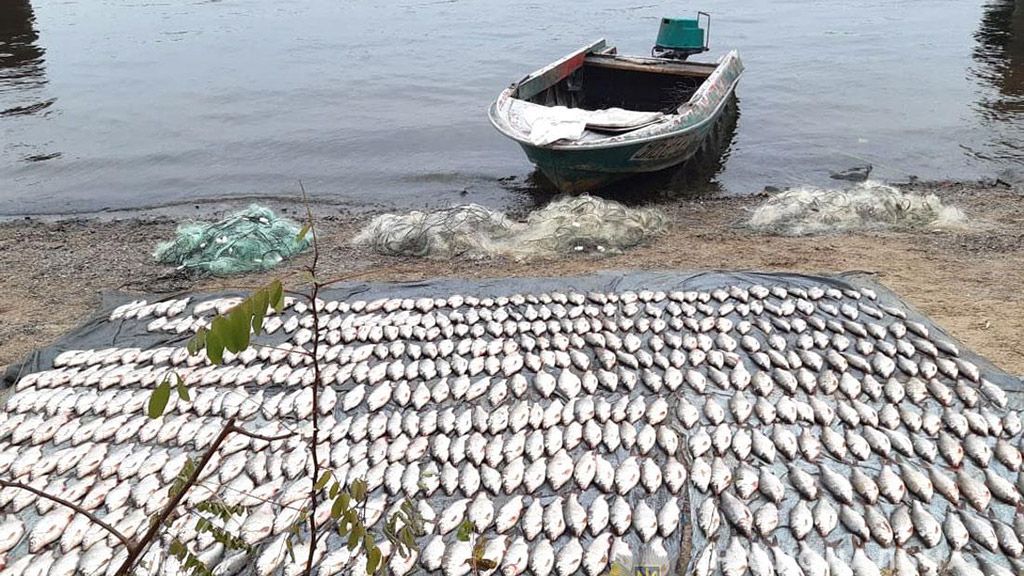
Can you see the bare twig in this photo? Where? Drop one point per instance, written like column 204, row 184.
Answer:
column 313, row 298
column 299, row 351
column 124, row 540
column 244, row 432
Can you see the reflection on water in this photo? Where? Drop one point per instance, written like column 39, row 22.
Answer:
column 21, row 58
column 999, row 55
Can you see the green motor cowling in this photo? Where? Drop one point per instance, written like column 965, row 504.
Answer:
column 681, row 37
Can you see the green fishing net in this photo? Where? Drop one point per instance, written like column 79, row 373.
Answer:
column 248, row 241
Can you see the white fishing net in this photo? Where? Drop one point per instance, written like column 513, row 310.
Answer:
column 867, row 206
column 567, row 224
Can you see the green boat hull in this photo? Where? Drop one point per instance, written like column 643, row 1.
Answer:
column 582, row 170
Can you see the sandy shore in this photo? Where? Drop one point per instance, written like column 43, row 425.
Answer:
column 54, row 273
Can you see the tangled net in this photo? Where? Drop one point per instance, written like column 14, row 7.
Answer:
column 567, row 224
column 867, row 206
column 251, row 240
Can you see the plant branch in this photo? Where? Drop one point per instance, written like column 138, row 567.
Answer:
column 134, row 553
column 245, row 432
column 124, row 540
column 316, row 384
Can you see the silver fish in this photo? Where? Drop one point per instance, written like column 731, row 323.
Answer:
column 975, row 491
column 766, row 519
column 803, row 482
column 925, row 525
column 801, row 520
column 759, row 561
column 862, row 565
column 854, row 522
column 981, row 530
column 785, row 565
column 734, row 561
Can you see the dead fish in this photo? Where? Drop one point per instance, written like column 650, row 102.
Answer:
column 862, row 565
column 1008, row 540
column 734, row 561
column 766, row 519
column 803, row 482
column 708, row 518
column 977, row 448
column 925, row 525
column 759, row 561
column 825, row 517
column 801, row 520
column 836, row 565
column 598, row 555
column 837, row 484
column 975, row 491
column 917, row 483
column 621, row 517
column 955, row 531
column 707, row 562
column 811, row 562
column 785, row 565
column 721, row 475
column 1008, row 454
column 902, row 525
column 981, row 530
column 737, row 513
column 770, row 485
column 569, row 558
column 944, row 485
column 951, row 449
column 49, row 528
column 762, row 447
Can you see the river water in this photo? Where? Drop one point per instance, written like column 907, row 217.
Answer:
column 114, row 104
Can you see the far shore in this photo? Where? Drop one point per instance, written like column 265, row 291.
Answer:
column 968, row 281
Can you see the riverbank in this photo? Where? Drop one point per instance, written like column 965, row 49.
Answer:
column 968, row 281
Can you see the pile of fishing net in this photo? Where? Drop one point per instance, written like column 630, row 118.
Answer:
column 567, row 224
column 248, row 241
column 867, row 206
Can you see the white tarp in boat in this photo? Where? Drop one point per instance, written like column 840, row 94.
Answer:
column 547, row 124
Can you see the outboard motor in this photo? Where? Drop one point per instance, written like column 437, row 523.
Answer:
column 679, row 38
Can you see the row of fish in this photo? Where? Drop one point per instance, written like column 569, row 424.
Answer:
column 570, row 429
column 172, row 307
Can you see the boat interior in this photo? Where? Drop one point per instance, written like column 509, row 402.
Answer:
column 598, row 81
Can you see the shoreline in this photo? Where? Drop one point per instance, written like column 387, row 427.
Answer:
column 56, row 270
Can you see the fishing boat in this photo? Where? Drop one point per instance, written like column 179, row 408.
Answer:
column 596, row 116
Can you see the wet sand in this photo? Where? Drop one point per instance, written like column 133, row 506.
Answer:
column 968, row 281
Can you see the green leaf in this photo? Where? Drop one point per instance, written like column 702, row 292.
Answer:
column 358, row 489
column 182, row 389
column 215, row 344
column 302, row 233
column 197, row 342
column 158, row 400
column 236, row 331
column 276, row 292
column 335, row 488
column 353, row 538
column 322, row 482
column 373, row 560
column 340, row 505
column 465, row 531
column 260, row 302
